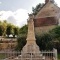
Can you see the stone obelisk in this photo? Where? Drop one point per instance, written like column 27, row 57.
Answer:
column 31, row 45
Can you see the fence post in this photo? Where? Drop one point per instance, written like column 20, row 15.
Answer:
column 31, row 55
column 55, row 53
column 21, row 55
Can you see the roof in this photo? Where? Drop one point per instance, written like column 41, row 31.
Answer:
column 49, row 10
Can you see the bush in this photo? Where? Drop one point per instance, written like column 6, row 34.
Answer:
column 44, row 41
column 56, row 34
column 21, row 41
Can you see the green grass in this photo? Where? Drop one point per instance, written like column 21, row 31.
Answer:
column 2, row 56
column 58, row 56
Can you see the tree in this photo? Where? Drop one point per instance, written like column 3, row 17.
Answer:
column 23, row 30
column 0, row 22
column 43, row 40
column 9, row 30
column 21, row 40
column 1, row 30
column 37, row 8
column 55, row 32
column 16, row 31
column 4, row 23
column 56, row 37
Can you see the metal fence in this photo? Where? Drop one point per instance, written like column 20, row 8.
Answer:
column 15, row 55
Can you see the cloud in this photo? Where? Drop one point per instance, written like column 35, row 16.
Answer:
column 0, row 2
column 18, row 17
column 12, row 20
column 57, row 2
column 22, row 16
column 5, row 14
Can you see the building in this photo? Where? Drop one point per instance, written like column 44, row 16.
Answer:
column 47, row 18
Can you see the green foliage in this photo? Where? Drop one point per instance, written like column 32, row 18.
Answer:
column 21, row 40
column 15, row 31
column 43, row 41
column 57, row 46
column 1, row 30
column 37, row 8
column 4, row 23
column 56, row 37
column 23, row 30
column 55, row 32
column 9, row 29
column 3, row 27
column 0, row 22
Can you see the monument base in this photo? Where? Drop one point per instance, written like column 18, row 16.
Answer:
column 31, row 48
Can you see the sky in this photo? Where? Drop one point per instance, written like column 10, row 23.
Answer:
column 16, row 11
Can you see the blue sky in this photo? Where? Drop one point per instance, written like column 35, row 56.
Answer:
column 16, row 11
column 17, row 4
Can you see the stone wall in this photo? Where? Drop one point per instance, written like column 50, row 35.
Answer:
column 4, row 46
column 40, row 30
column 7, row 43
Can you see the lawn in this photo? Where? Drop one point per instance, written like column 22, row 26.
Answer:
column 2, row 56
column 58, row 56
